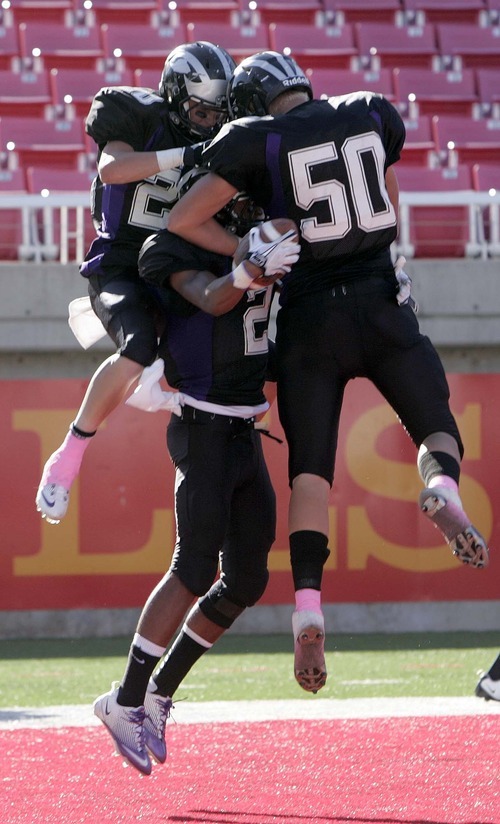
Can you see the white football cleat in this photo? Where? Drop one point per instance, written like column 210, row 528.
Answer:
column 126, row 727
column 466, row 543
column 309, row 638
column 52, row 501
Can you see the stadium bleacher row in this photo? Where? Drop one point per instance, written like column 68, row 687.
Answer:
column 438, row 61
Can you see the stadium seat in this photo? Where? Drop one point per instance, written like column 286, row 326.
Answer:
column 396, row 45
column 419, row 146
column 12, row 181
column 53, row 11
column 441, row 11
column 38, row 141
column 60, row 46
column 24, row 93
column 382, row 11
column 486, row 178
column 81, row 85
column 147, row 78
column 287, row 11
column 469, row 45
column 314, row 46
column 328, row 83
column 488, row 89
column 239, row 41
column 452, row 92
column 475, row 141
column 129, row 11
column 199, row 11
column 436, row 231
column 9, row 45
column 140, row 45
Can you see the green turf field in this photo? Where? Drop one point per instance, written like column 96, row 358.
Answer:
column 45, row 672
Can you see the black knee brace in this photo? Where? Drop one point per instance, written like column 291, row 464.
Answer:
column 219, row 606
column 308, row 555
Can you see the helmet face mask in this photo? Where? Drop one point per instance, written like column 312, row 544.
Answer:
column 259, row 79
column 195, row 78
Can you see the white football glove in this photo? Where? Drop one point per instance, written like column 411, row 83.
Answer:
column 404, row 295
column 275, row 256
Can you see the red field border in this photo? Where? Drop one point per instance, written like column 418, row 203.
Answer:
column 379, row 770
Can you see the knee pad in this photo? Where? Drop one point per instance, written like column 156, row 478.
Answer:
column 222, row 606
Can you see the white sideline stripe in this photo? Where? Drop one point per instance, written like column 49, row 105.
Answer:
column 185, row 712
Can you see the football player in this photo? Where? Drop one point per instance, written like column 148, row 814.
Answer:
column 214, row 352
column 143, row 138
column 329, row 166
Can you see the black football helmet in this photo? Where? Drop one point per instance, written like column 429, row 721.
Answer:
column 238, row 216
column 194, row 74
column 259, row 79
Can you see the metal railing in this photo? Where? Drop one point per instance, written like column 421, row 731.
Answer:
column 52, row 227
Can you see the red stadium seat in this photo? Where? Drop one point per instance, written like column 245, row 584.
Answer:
column 239, row 41
column 81, row 85
column 486, row 178
column 440, row 11
column 39, row 142
column 396, row 45
column 24, row 93
column 287, row 11
column 198, row 11
column 471, row 45
column 129, row 11
column 53, row 11
column 382, row 11
column 475, row 141
column 9, row 45
column 488, row 88
column 437, row 231
column 140, row 45
column 314, row 46
column 419, row 145
column 451, row 92
column 12, row 181
column 147, row 78
column 60, row 46
column 328, row 83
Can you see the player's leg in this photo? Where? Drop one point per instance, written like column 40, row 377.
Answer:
column 408, row 371
column 124, row 709
column 206, row 476
column 127, row 311
column 310, row 393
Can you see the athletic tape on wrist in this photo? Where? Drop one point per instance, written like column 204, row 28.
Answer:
column 169, row 158
column 241, row 278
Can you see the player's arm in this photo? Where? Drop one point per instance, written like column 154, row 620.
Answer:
column 119, row 163
column 192, row 215
column 217, row 295
column 392, row 186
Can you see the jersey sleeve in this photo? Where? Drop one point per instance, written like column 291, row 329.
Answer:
column 224, row 155
column 393, row 128
column 121, row 113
